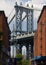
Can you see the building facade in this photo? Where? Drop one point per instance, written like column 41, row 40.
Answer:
column 40, row 36
column 4, row 29
column 4, row 38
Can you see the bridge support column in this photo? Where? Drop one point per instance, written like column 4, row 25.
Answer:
column 29, row 20
column 19, row 48
column 27, row 52
column 19, row 12
column 31, row 51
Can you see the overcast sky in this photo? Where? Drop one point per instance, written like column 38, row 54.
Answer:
column 8, row 5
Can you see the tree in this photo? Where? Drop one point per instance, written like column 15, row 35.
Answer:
column 25, row 62
column 19, row 56
column 21, row 60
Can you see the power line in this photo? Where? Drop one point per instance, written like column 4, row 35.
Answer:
column 11, row 12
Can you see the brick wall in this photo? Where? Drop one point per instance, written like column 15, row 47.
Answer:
column 4, row 28
column 40, row 35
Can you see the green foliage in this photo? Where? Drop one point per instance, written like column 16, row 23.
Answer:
column 19, row 62
column 19, row 56
column 19, row 59
column 25, row 62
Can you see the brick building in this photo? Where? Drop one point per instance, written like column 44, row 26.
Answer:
column 40, row 37
column 4, row 29
column 4, row 38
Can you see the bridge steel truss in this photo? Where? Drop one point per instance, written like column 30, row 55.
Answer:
column 19, row 19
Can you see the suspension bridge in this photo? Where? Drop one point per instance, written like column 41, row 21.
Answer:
column 19, row 36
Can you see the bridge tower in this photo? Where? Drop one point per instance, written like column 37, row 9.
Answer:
column 19, row 18
column 19, row 9
column 19, row 37
column 26, row 38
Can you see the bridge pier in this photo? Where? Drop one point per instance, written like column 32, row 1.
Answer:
column 29, row 51
column 29, row 47
column 27, row 57
column 32, row 51
column 19, row 49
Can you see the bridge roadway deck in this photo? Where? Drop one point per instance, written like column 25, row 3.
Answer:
column 23, row 38
column 24, row 35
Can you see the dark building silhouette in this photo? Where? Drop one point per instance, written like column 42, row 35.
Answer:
column 4, row 39
column 4, row 29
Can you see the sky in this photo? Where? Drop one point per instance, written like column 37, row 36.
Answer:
column 8, row 6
